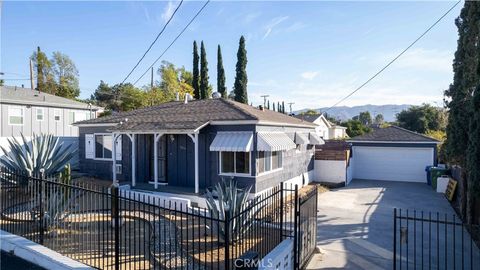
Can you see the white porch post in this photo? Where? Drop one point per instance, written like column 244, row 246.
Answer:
column 134, row 165
column 114, row 159
column 155, row 159
column 195, row 142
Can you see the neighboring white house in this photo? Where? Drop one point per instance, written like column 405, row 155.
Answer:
column 26, row 111
column 325, row 129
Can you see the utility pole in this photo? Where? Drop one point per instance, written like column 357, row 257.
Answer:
column 265, row 100
column 31, row 75
column 290, row 104
column 151, row 80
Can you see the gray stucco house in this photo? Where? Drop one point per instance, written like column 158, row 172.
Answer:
column 192, row 144
column 26, row 111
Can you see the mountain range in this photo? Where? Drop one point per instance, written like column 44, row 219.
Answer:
column 344, row 112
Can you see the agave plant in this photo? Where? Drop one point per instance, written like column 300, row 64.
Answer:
column 43, row 152
column 230, row 203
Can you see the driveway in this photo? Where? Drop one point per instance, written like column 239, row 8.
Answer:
column 355, row 223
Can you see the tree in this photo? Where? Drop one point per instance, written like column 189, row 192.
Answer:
column 310, row 112
column 365, row 118
column 195, row 75
column 240, row 86
column 57, row 76
column 379, row 119
column 43, row 68
column 221, row 74
column 422, row 118
column 2, row 82
column 203, row 73
column 120, row 97
column 459, row 95
column 473, row 157
column 355, row 128
column 283, row 106
column 173, row 80
column 268, row 104
column 273, row 104
column 66, row 75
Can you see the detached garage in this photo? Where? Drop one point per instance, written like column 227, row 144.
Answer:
column 392, row 154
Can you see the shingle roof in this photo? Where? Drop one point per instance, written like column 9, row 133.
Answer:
column 179, row 116
column 307, row 117
column 393, row 134
column 25, row 96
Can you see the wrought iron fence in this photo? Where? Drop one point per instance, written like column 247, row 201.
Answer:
column 426, row 240
column 108, row 229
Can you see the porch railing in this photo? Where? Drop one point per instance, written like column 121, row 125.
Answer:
column 101, row 228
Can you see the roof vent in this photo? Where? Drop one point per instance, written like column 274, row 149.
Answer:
column 216, row 95
column 188, row 97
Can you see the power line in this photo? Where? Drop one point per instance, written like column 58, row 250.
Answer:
column 154, row 41
column 394, row 59
column 178, row 36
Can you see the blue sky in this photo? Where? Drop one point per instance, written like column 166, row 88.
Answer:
column 311, row 53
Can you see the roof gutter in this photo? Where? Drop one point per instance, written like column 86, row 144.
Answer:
column 258, row 122
column 387, row 142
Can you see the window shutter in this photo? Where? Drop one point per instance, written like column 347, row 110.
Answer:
column 118, row 148
column 89, row 146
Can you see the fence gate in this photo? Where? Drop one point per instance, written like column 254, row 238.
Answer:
column 426, row 240
column 305, row 227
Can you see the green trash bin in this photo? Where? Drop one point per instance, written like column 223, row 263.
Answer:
column 436, row 172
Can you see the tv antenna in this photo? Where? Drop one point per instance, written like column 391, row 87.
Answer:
column 265, row 99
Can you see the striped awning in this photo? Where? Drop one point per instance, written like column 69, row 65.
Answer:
column 301, row 138
column 232, row 142
column 274, row 141
column 315, row 139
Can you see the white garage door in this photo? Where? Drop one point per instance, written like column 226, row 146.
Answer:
column 391, row 163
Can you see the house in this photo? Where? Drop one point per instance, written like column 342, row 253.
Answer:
column 26, row 111
column 392, row 154
column 326, row 129
column 188, row 146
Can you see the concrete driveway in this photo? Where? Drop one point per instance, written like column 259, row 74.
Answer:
column 355, row 223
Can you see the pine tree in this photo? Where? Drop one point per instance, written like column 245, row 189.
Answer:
column 40, row 81
column 278, row 107
column 273, row 104
column 195, row 73
column 221, row 74
column 464, row 81
column 283, row 106
column 473, row 157
column 240, row 86
column 203, row 73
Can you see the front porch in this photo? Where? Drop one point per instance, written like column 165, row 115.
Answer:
column 162, row 161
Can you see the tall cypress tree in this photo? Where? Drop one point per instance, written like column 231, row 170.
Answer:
column 203, row 72
column 273, row 104
column 268, row 104
column 195, row 73
column 463, row 142
column 283, row 106
column 221, row 74
column 240, row 86
column 278, row 106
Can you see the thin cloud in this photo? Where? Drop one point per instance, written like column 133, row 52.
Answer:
column 309, row 75
column 250, row 17
column 168, row 11
column 272, row 24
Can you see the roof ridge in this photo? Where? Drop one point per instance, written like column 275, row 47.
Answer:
column 413, row 132
column 234, row 103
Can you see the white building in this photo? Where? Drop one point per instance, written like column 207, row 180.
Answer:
column 325, row 129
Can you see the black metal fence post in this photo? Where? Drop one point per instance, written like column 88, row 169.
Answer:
column 227, row 239
column 41, row 210
column 394, row 238
column 281, row 211
column 295, row 230
column 116, row 224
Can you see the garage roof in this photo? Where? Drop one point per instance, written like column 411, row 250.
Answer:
column 393, row 134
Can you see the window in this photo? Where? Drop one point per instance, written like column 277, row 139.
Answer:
column 103, row 146
column 40, row 114
column 235, row 162
column 57, row 114
column 15, row 115
column 269, row 161
column 71, row 117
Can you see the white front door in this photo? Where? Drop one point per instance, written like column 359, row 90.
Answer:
column 391, row 163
